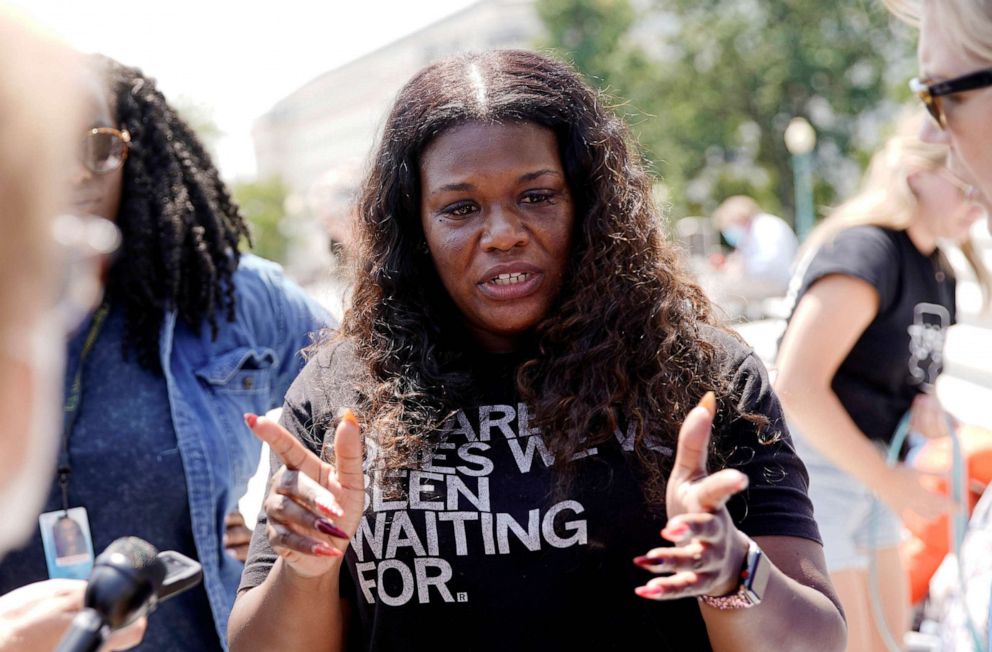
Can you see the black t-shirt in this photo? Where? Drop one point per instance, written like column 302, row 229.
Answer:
column 483, row 554
column 900, row 353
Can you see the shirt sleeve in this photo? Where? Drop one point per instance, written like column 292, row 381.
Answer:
column 775, row 502
column 864, row 252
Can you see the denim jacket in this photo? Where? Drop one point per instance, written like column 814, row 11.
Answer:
column 212, row 383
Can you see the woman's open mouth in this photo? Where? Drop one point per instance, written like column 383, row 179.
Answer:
column 511, row 285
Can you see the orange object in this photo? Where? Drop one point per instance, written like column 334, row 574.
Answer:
column 928, row 544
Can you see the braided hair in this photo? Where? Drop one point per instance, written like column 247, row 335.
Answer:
column 180, row 227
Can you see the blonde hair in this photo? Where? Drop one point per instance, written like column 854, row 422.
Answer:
column 36, row 94
column 885, row 198
column 970, row 21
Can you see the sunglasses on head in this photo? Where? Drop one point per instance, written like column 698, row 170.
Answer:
column 930, row 93
column 104, row 149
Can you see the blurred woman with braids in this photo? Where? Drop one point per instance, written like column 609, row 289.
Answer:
column 190, row 335
column 522, row 350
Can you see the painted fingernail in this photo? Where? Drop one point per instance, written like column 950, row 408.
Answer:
column 251, row 419
column 327, row 509
column 325, row 526
column 649, row 591
column 675, row 532
column 709, row 402
column 349, row 416
column 324, row 550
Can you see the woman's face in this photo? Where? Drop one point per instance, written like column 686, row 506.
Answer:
column 945, row 208
column 93, row 193
column 969, row 115
column 497, row 215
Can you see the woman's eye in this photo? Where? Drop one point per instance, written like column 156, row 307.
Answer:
column 537, row 197
column 459, row 210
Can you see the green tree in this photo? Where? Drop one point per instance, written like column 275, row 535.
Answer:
column 711, row 84
column 200, row 116
column 262, row 203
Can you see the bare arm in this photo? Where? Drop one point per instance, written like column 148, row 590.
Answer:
column 289, row 612
column 825, row 326
column 798, row 591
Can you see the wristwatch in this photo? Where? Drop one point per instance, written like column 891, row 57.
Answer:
column 753, row 580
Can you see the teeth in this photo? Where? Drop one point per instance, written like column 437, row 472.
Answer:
column 510, row 279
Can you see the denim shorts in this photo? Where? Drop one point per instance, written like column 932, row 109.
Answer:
column 852, row 520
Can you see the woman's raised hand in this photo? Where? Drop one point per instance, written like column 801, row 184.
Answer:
column 313, row 507
column 709, row 550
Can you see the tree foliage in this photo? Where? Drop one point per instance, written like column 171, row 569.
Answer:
column 710, row 85
column 262, row 203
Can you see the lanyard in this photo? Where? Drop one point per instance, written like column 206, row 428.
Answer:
column 71, row 410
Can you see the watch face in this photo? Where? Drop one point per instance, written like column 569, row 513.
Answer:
column 759, row 568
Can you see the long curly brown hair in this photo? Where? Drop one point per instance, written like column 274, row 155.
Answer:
column 624, row 342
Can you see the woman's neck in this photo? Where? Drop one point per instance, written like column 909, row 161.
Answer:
column 921, row 237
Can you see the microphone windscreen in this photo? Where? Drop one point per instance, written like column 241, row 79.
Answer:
column 125, row 578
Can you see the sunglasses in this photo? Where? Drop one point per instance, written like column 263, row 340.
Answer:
column 930, row 94
column 104, row 149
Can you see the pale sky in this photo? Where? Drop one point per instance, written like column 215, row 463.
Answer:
column 237, row 58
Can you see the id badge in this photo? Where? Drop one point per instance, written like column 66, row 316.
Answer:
column 68, row 545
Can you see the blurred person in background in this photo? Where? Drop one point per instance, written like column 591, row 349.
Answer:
column 955, row 80
column 760, row 265
column 955, row 84
column 873, row 297
column 39, row 290
column 190, row 335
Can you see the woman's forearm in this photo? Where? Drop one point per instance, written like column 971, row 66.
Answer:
column 792, row 615
column 288, row 612
column 825, row 425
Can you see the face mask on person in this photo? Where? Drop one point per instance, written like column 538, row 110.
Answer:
column 22, row 493
column 734, row 234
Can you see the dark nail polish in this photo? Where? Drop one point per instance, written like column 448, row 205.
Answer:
column 644, row 560
column 251, row 419
column 327, row 527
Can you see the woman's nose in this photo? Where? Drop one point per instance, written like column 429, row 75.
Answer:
column 80, row 174
column 504, row 229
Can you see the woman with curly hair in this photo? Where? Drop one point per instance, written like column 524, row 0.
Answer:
column 522, row 349
column 190, row 335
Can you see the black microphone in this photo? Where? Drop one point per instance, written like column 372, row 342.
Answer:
column 122, row 587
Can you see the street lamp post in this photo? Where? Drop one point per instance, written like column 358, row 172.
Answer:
column 800, row 139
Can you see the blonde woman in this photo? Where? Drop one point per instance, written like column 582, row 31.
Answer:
column 955, row 81
column 862, row 347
